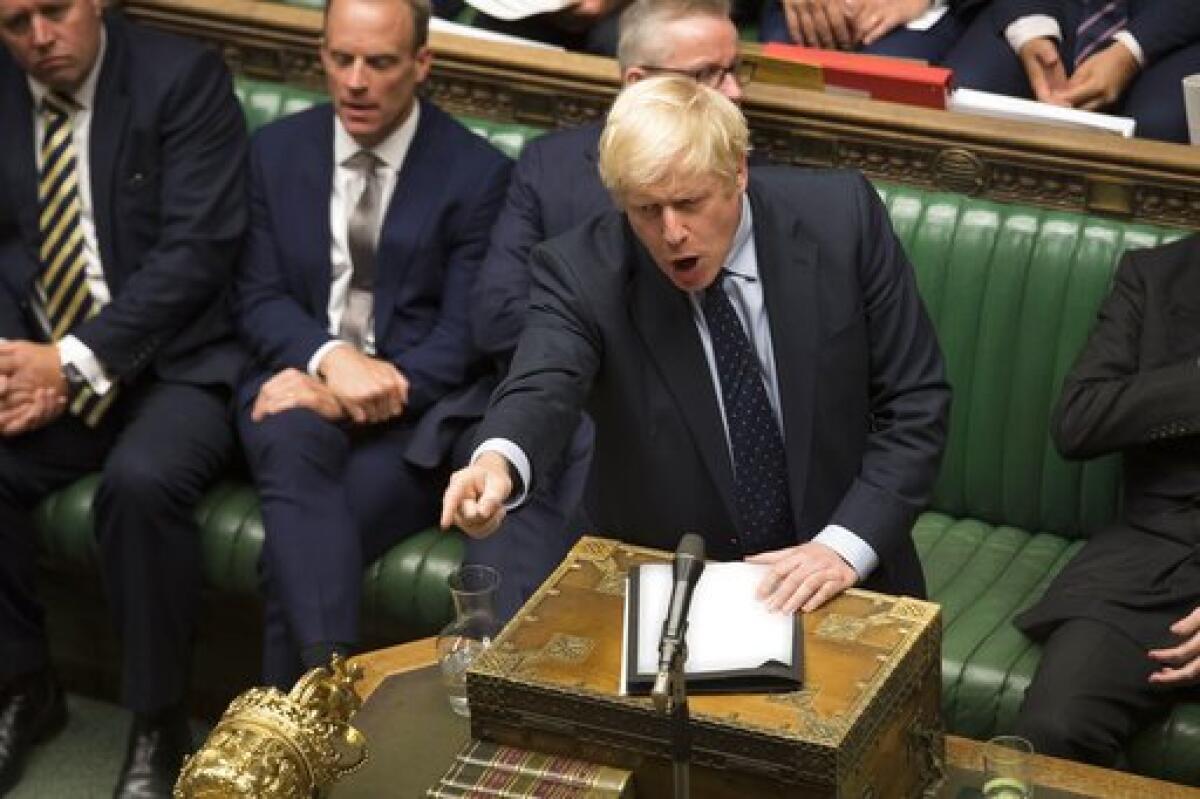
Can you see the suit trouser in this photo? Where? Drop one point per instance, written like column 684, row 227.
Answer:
column 333, row 499
column 1090, row 694
column 160, row 447
column 983, row 60
column 535, row 537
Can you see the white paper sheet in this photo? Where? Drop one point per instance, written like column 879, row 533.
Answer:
column 509, row 10
column 971, row 101
column 728, row 627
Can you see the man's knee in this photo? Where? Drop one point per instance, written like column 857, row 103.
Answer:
column 1068, row 727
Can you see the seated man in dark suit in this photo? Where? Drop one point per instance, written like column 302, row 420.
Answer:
column 556, row 186
column 368, row 222
column 1126, row 57
column 1121, row 623
column 895, row 28
column 753, row 351
column 122, row 204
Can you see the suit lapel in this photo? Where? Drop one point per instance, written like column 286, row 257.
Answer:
column 311, row 237
column 662, row 315
column 20, row 174
column 110, row 116
column 404, row 220
column 787, row 266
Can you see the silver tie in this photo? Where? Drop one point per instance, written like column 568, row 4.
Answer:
column 361, row 238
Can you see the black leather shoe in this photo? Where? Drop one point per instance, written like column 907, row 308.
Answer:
column 32, row 711
column 157, row 747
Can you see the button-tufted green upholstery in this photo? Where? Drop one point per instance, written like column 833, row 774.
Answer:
column 1013, row 292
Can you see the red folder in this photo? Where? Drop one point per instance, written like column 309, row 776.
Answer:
column 897, row 80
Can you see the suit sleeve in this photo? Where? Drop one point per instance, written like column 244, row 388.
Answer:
column 1108, row 402
column 279, row 331
column 1163, row 26
column 202, row 216
column 908, row 393
column 537, row 407
column 501, row 295
column 441, row 361
column 1006, row 12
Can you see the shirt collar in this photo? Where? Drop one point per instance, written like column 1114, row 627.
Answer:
column 391, row 150
column 85, row 95
column 740, row 262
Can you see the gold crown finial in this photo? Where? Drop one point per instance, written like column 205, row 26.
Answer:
column 272, row 746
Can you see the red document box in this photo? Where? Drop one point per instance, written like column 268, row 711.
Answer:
column 897, row 80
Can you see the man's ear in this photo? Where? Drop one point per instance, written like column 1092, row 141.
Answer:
column 633, row 75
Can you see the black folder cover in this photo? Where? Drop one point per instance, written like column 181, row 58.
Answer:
column 770, row 676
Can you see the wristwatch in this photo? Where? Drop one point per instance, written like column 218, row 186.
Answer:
column 75, row 379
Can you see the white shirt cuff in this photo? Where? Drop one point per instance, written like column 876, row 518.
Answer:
column 73, row 351
column 315, row 361
column 1023, row 30
column 929, row 17
column 514, row 455
column 1131, row 44
column 851, row 548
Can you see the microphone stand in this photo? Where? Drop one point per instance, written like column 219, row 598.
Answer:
column 672, row 699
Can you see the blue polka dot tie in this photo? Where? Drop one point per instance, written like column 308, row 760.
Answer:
column 760, row 486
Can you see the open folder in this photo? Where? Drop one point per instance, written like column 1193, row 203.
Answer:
column 734, row 644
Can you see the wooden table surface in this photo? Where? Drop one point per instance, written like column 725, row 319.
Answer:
column 963, row 753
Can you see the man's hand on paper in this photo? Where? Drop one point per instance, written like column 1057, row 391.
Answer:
column 1044, row 67
column 874, row 19
column 803, row 577
column 1101, row 79
column 474, row 499
column 821, row 23
column 1180, row 663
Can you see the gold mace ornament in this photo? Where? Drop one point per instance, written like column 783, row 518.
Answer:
column 269, row 745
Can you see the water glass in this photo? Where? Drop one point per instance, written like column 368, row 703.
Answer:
column 1008, row 768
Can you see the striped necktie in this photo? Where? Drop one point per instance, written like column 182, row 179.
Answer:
column 63, row 276
column 1099, row 22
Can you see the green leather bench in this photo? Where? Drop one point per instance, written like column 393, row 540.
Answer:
column 1013, row 291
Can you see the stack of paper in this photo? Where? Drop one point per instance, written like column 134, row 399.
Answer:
column 971, row 101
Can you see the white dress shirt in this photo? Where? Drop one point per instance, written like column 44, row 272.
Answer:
column 70, row 349
column 744, row 289
column 346, row 189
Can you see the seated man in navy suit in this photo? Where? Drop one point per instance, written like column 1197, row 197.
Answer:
column 122, row 206
column 751, row 347
column 369, row 218
column 1126, row 57
column 556, row 186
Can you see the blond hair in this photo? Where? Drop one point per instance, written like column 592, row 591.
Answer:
column 641, row 41
column 670, row 128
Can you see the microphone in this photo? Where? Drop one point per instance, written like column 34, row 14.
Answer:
column 688, row 565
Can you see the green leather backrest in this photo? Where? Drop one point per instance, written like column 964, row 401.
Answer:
column 1013, row 292
column 263, row 101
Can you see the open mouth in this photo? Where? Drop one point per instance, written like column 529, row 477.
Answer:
column 686, row 264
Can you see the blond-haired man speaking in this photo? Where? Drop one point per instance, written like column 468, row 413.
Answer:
column 752, row 349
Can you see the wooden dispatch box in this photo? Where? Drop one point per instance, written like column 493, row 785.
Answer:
column 866, row 724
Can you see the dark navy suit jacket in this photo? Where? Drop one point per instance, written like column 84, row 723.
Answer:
column 860, row 376
column 555, row 186
column 1159, row 26
column 434, row 236
column 168, row 147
